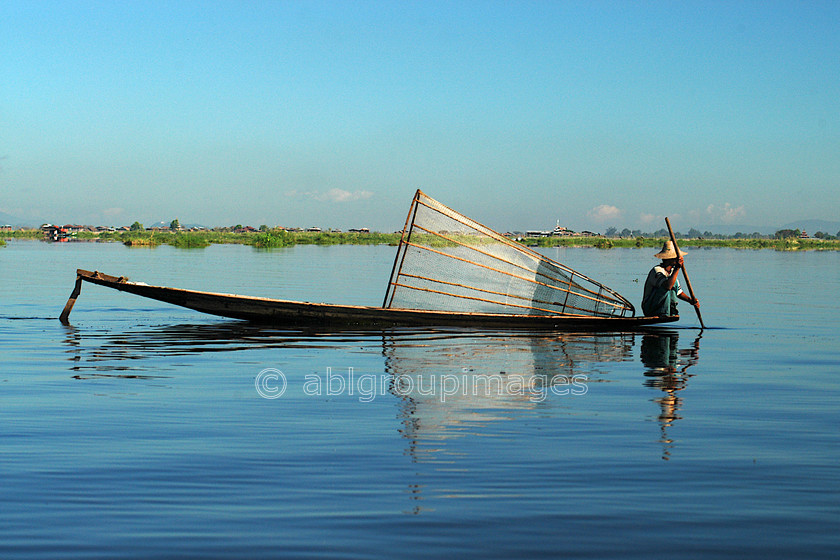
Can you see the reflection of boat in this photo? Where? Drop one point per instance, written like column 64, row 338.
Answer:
column 446, row 381
column 450, row 383
column 449, row 271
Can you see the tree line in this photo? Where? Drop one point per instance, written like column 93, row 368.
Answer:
column 694, row 233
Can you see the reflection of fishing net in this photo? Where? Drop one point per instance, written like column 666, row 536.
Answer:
column 448, row 262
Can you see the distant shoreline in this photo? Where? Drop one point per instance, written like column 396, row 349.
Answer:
column 281, row 238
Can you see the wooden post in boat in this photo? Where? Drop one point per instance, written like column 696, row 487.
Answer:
column 685, row 273
column 77, row 289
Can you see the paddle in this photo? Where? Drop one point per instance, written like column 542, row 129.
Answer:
column 685, row 273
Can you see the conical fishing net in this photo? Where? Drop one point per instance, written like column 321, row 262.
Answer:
column 448, row 262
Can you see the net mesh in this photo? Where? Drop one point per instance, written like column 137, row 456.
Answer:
column 448, row 262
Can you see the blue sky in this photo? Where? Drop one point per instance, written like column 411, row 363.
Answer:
column 518, row 114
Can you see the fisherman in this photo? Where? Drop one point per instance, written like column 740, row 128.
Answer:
column 662, row 287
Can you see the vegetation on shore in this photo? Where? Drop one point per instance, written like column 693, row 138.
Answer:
column 786, row 244
column 188, row 241
column 267, row 239
column 141, row 242
column 282, row 238
column 277, row 238
column 22, row 234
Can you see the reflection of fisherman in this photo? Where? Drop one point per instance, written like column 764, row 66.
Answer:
column 666, row 370
column 662, row 358
column 659, row 354
column 662, row 288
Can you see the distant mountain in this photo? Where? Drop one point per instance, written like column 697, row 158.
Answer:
column 165, row 224
column 18, row 222
column 8, row 219
column 813, row 226
column 732, row 229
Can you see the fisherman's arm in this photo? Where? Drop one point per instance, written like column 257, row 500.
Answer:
column 675, row 271
column 685, row 297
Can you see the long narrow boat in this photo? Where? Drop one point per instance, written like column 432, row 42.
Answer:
column 285, row 312
column 449, row 271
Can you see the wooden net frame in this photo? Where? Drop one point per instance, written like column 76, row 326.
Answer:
column 449, row 262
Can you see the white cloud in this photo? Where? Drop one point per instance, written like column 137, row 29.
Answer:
column 605, row 213
column 657, row 221
column 332, row 195
column 340, row 195
column 113, row 212
column 726, row 213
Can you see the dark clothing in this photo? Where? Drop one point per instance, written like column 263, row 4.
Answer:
column 658, row 299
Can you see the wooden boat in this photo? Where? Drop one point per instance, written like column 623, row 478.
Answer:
column 449, row 271
column 285, row 312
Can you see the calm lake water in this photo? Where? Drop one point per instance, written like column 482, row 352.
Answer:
column 149, row 431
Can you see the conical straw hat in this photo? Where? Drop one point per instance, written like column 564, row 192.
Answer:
column 668, row 252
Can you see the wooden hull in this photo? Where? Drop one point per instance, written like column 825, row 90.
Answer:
column 283, row 312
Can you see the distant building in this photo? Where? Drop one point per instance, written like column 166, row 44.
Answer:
column 54, row 233
column 560, row 231
column 313, row 229
column 359, row 230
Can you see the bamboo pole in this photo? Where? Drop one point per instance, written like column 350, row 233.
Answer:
column 412, row 211
column 685, row 273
